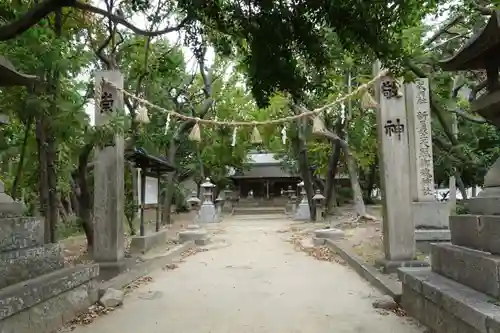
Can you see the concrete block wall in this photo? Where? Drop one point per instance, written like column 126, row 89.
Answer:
column 37, row 293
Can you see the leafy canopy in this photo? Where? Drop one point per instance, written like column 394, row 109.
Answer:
column 271, row 37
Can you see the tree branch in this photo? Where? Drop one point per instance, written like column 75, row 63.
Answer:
column 450, row 23
column 465, row 115
column 43, row 8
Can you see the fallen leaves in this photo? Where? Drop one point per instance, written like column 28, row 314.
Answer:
column 290, row 229
column 400, row 312
column 137, row 283
column 323, row 253
column 89, row 316
column 193, row 251
column 170, row 266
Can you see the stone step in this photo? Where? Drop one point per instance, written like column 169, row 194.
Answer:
column 446, row 306
column 475, row 269
column 20, row 233
column 25, row 264
column 258, row 210
column 480, row 232
column 262, row 203
column 45, row 303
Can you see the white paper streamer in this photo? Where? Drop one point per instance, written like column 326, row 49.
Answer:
column 233, row 143
column 167, row 124
column 283, row 134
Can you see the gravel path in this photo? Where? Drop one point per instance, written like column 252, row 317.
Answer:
column 251, row 280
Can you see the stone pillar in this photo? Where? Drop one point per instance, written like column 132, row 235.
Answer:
column 428, row 213
column 420, row 137
column 392, row 130
column 109, row 181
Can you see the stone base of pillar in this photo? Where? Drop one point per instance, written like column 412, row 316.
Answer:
column 391, row 266
column 303, row 213
column 108, row 270
column 431, row 215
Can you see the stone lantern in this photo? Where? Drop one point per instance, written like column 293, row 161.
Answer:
column 193, row 231
column 219, row 203
column 194, row 205
column 207, row 213
column 319, row 200
column 9, row 77
column 228, row 203
column 299, row 187
column 303, row 212
column 293, row 200
column 290, row 204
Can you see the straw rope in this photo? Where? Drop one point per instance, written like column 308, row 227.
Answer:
column 362, row 88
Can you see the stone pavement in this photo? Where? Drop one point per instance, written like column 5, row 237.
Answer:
column 251, row 280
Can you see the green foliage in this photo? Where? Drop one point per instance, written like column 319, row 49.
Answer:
column 274, row 40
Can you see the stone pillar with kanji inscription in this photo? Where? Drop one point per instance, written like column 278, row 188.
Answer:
column 392, row 130
column 109, row 180
column 428, row 213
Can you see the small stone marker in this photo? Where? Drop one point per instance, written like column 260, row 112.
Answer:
column 427, row 211
column 420, row 140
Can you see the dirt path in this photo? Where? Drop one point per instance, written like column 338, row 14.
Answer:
column 251, row 280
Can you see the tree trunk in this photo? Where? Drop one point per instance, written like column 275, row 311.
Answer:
column 85, row 198
column 372, row 175
column 20, row 166
column 359, row 203
column 461, row 185
column 52, row 183
column 169, row 193
column 43, row 182
column 62, row 212
column 357, row 194
column 305, row 169
column 330, row 192
column 73, row 197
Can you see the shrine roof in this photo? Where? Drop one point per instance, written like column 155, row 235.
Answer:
column 484, row 45
column 153, row 164
column 263, row 171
